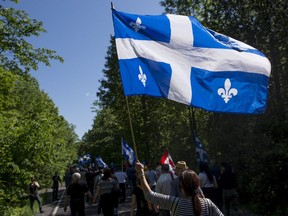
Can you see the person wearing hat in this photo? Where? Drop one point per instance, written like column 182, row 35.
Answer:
column 179, row 168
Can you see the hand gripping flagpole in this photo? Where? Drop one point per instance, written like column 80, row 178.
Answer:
column 131, row 128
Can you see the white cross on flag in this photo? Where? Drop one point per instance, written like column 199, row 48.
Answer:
column 175, row 57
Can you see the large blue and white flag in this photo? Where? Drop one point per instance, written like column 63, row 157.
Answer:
column 175, row 57
column 128, row 153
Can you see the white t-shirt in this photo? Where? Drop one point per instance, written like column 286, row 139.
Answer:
column 121, row 176
column 152, row 177
column 163, row 184
column 205, row 183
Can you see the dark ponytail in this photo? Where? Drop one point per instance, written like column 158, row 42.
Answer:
column 190, row 183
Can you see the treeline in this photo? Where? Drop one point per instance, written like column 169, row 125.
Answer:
column 256, row 145
column 34, row 139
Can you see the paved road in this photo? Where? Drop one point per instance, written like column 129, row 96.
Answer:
column 56, row 208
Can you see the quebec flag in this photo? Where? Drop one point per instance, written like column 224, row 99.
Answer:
column 175, row 57
column 201, row 153
column 128, row 153
column 100, row 163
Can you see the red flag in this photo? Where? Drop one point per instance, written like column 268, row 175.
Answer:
column 166, row 159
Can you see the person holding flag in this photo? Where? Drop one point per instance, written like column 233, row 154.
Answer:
column 193, row 202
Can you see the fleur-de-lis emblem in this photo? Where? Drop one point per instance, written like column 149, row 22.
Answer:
column 227, row 92
column 142, row 77
column 137, row 25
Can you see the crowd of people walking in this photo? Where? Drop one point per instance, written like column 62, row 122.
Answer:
column 154, row 190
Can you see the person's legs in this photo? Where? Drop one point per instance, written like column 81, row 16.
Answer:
column 56, row 193
column 73, row 211
column 235, row 201
column 53, row 194
column 227, row 198
column 107, row 205
column 108, row 211
column 81, row 209
column 122, row 186
column 31, row 198
column 73, row 208
column 37, row 197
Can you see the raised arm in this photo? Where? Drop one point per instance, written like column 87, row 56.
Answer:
column 141, row 175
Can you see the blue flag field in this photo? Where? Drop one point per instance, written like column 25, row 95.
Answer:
column 175, row 57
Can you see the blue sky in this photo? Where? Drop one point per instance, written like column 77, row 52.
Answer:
column 79, row 31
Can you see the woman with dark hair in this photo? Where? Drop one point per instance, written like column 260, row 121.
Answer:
column 104, row 191
column 192, row 203
column 208, row 182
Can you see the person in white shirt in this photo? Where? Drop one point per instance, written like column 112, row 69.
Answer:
column 163, row 185
column 152, row 177
column 121, row 177
column 208, row 182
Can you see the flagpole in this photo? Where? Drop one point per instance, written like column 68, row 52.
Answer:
column 193, row 128
column 131, row 128
column 192, row 122
column 122, row 158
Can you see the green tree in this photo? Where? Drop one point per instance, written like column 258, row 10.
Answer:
column 34, row 139
column 16, row 53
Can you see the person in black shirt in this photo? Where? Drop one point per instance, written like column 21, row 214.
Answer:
column 56, row 180
column 89, row 175
column 76, row 196
column 33, row 194
column 227, row 182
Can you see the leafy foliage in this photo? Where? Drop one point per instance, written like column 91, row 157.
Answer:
column 34, row 139
column 16, row 53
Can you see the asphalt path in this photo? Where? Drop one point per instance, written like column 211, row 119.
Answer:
column 56, row 208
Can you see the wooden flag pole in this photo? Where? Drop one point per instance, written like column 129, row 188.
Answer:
column 131, row 128
column 192, row 121
column 122, row 161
